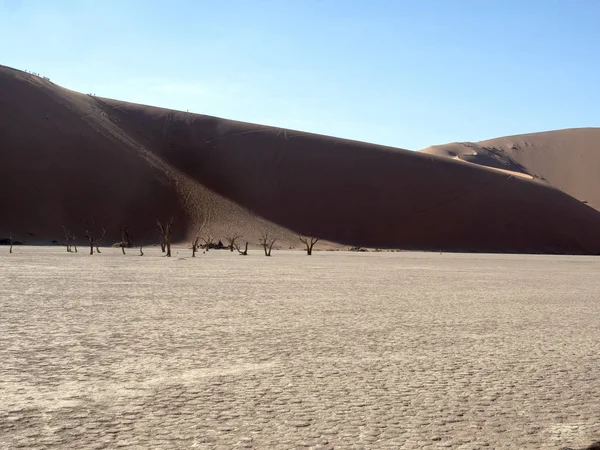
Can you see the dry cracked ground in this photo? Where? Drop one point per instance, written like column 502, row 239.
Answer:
column 336, row 350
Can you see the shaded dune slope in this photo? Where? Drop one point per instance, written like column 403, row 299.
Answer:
column 70, row 158
column 61, row 166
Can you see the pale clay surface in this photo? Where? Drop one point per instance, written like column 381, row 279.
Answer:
column 337, row 350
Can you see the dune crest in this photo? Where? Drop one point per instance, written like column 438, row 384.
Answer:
column 568, row 160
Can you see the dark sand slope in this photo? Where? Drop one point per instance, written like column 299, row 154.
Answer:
column 65, row 162
column 61, row 165
column 67, row 157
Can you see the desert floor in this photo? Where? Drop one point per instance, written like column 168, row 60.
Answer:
column 342, row 350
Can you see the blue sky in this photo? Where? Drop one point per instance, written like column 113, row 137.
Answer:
column 404, row 73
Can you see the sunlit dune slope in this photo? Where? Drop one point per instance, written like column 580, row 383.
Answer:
column 566, row 159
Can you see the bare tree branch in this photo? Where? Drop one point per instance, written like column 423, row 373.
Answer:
column 94, row 242
column 231, row 239
column 309, row 242
column 244, row 252
column 267, row 242
column 67, row 239
column 97, row 242
column 165, row 233
column 209, row 242
column 195, row 246
column 125, row 239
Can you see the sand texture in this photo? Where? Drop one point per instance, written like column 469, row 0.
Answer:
column 339, row 350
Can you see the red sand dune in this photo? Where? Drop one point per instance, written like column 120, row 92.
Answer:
column 71, row 159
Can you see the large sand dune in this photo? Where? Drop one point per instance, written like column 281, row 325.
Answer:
column 71, row 159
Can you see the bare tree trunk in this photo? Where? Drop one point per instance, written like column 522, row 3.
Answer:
column 141, row 251
column 75, row 247
column 91, row 247
column 245, row 252
column 100, row 239
column 309, row 242
column 165, row 234
column 67, row 239
column 208, row 242
column 125, row 240
column 195, row 246
column 267, row 248
column 11, row 245
column 267, row 242
column 232, row 239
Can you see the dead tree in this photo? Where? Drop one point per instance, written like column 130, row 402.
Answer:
column 67, row 239
column 267, row 242
column 99, row 240
column 242, row 252
column 231, row 239
column 161, row 230
column 195, row 246
column 11, row 243
column 141, row 251
column 165, row 234
column 125, row 240
column 70, row 241
column 95, row 241
column 309, row 242
column 209, row 242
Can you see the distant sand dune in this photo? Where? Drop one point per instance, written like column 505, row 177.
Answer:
column 74, row 160
column 568, row 160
